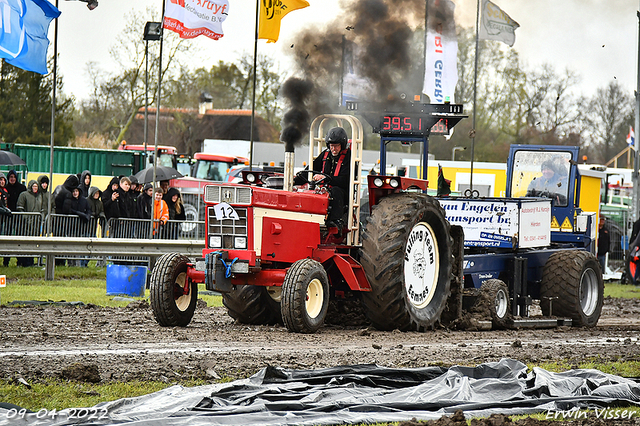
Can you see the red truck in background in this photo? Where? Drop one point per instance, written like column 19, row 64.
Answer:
column 205, row 168
column 198, row 171
column 167, row 155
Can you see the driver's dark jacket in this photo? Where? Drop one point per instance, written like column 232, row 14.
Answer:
column 328, row 165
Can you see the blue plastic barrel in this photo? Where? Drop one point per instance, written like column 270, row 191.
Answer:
column 126, row 280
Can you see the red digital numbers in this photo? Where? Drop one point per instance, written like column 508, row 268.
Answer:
column 411, row 125
column 400, row 124
column 441, row 127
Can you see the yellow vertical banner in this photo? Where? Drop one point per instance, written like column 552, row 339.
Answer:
column 271, row 13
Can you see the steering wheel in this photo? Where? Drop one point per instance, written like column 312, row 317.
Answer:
column 304, row 176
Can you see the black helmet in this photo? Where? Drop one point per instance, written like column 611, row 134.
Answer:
column 337, row 135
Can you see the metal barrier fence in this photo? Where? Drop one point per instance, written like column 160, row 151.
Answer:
column 619, row 224
column 21, row 224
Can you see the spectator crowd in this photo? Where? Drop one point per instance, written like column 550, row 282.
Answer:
column 79, row 208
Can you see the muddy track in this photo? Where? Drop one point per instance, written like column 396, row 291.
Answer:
column 91, row 343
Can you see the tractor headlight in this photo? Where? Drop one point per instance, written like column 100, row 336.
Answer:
column 240, row 242
column 215, row 241
column 394, row 183
column 251, row 178
column 378, row 182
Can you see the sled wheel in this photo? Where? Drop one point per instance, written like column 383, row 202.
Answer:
column 496, row 293
column 305, row 296
column 171, row 306
column 573, row 279
column 407, row 256
column 250, row 304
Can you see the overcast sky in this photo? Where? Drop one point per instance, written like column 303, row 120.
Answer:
column 598, row 39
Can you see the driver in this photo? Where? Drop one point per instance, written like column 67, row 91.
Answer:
column 547, row 185
column 334, row 161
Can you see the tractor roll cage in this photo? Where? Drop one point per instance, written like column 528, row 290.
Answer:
column 319, row 128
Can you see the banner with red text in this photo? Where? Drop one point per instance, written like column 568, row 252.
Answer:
column 441, row 66
column 191, row 18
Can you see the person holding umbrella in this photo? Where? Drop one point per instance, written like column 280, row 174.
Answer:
column 14, row 188
column 5, row 212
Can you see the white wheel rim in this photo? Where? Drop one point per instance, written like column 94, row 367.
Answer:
column 421, row 265
column 315, row 298
column 501, row 304
column 275, row 293
column 183, row 302
column 588, row 292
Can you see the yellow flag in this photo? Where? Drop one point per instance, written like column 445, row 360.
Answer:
column 271, row 12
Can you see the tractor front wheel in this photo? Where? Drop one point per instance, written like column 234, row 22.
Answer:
column 173, row 297
column 305, row 296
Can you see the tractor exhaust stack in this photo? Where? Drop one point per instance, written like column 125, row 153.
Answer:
column 289, row 161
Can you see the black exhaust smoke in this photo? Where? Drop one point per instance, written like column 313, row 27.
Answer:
column 388, row 50
column 295, row 122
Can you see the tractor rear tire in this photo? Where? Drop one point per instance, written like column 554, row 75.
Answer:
column 407, row 256
column 496, row 295
column 305, row 296
column 250, row 304
column 171, row 307
column 572, row 282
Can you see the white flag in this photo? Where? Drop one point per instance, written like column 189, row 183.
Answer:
column 191, row 18
column 441, row 66
column 497, row 25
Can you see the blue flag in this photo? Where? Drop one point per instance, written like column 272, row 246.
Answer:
column 24, row 25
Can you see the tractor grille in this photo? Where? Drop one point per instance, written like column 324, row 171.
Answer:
column 227, row 229
column 227, row 194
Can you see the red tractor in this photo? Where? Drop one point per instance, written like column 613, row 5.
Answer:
column 270, row 254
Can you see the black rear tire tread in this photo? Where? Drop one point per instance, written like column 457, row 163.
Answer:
column 561, row 279
column 249, row 304
column 382, row 257
column 294, row 291
column 162, row 287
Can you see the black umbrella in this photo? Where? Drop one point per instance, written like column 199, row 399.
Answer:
column 9, row 158
column 162, row 173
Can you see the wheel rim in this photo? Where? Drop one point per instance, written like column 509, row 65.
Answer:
column 275, row 293
column 421, row 265
column 501, row 303
column 589, row 292
column 315, row 298
column 182, row 300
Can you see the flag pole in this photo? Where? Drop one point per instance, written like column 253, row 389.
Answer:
column 475, row 89
column 253, row 98
column 49, row 262
column 155, row 148
column 636, row 157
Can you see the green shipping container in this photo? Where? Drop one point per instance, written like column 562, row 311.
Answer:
column 71, row 160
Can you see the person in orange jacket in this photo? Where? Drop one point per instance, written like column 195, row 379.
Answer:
column 160, row 210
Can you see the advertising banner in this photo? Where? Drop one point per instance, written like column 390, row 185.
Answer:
column 499, row 223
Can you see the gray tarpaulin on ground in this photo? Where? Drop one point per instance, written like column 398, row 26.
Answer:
column 363, row 394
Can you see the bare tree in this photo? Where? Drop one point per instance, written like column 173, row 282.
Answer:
column 118, row 95
column 608, row 116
